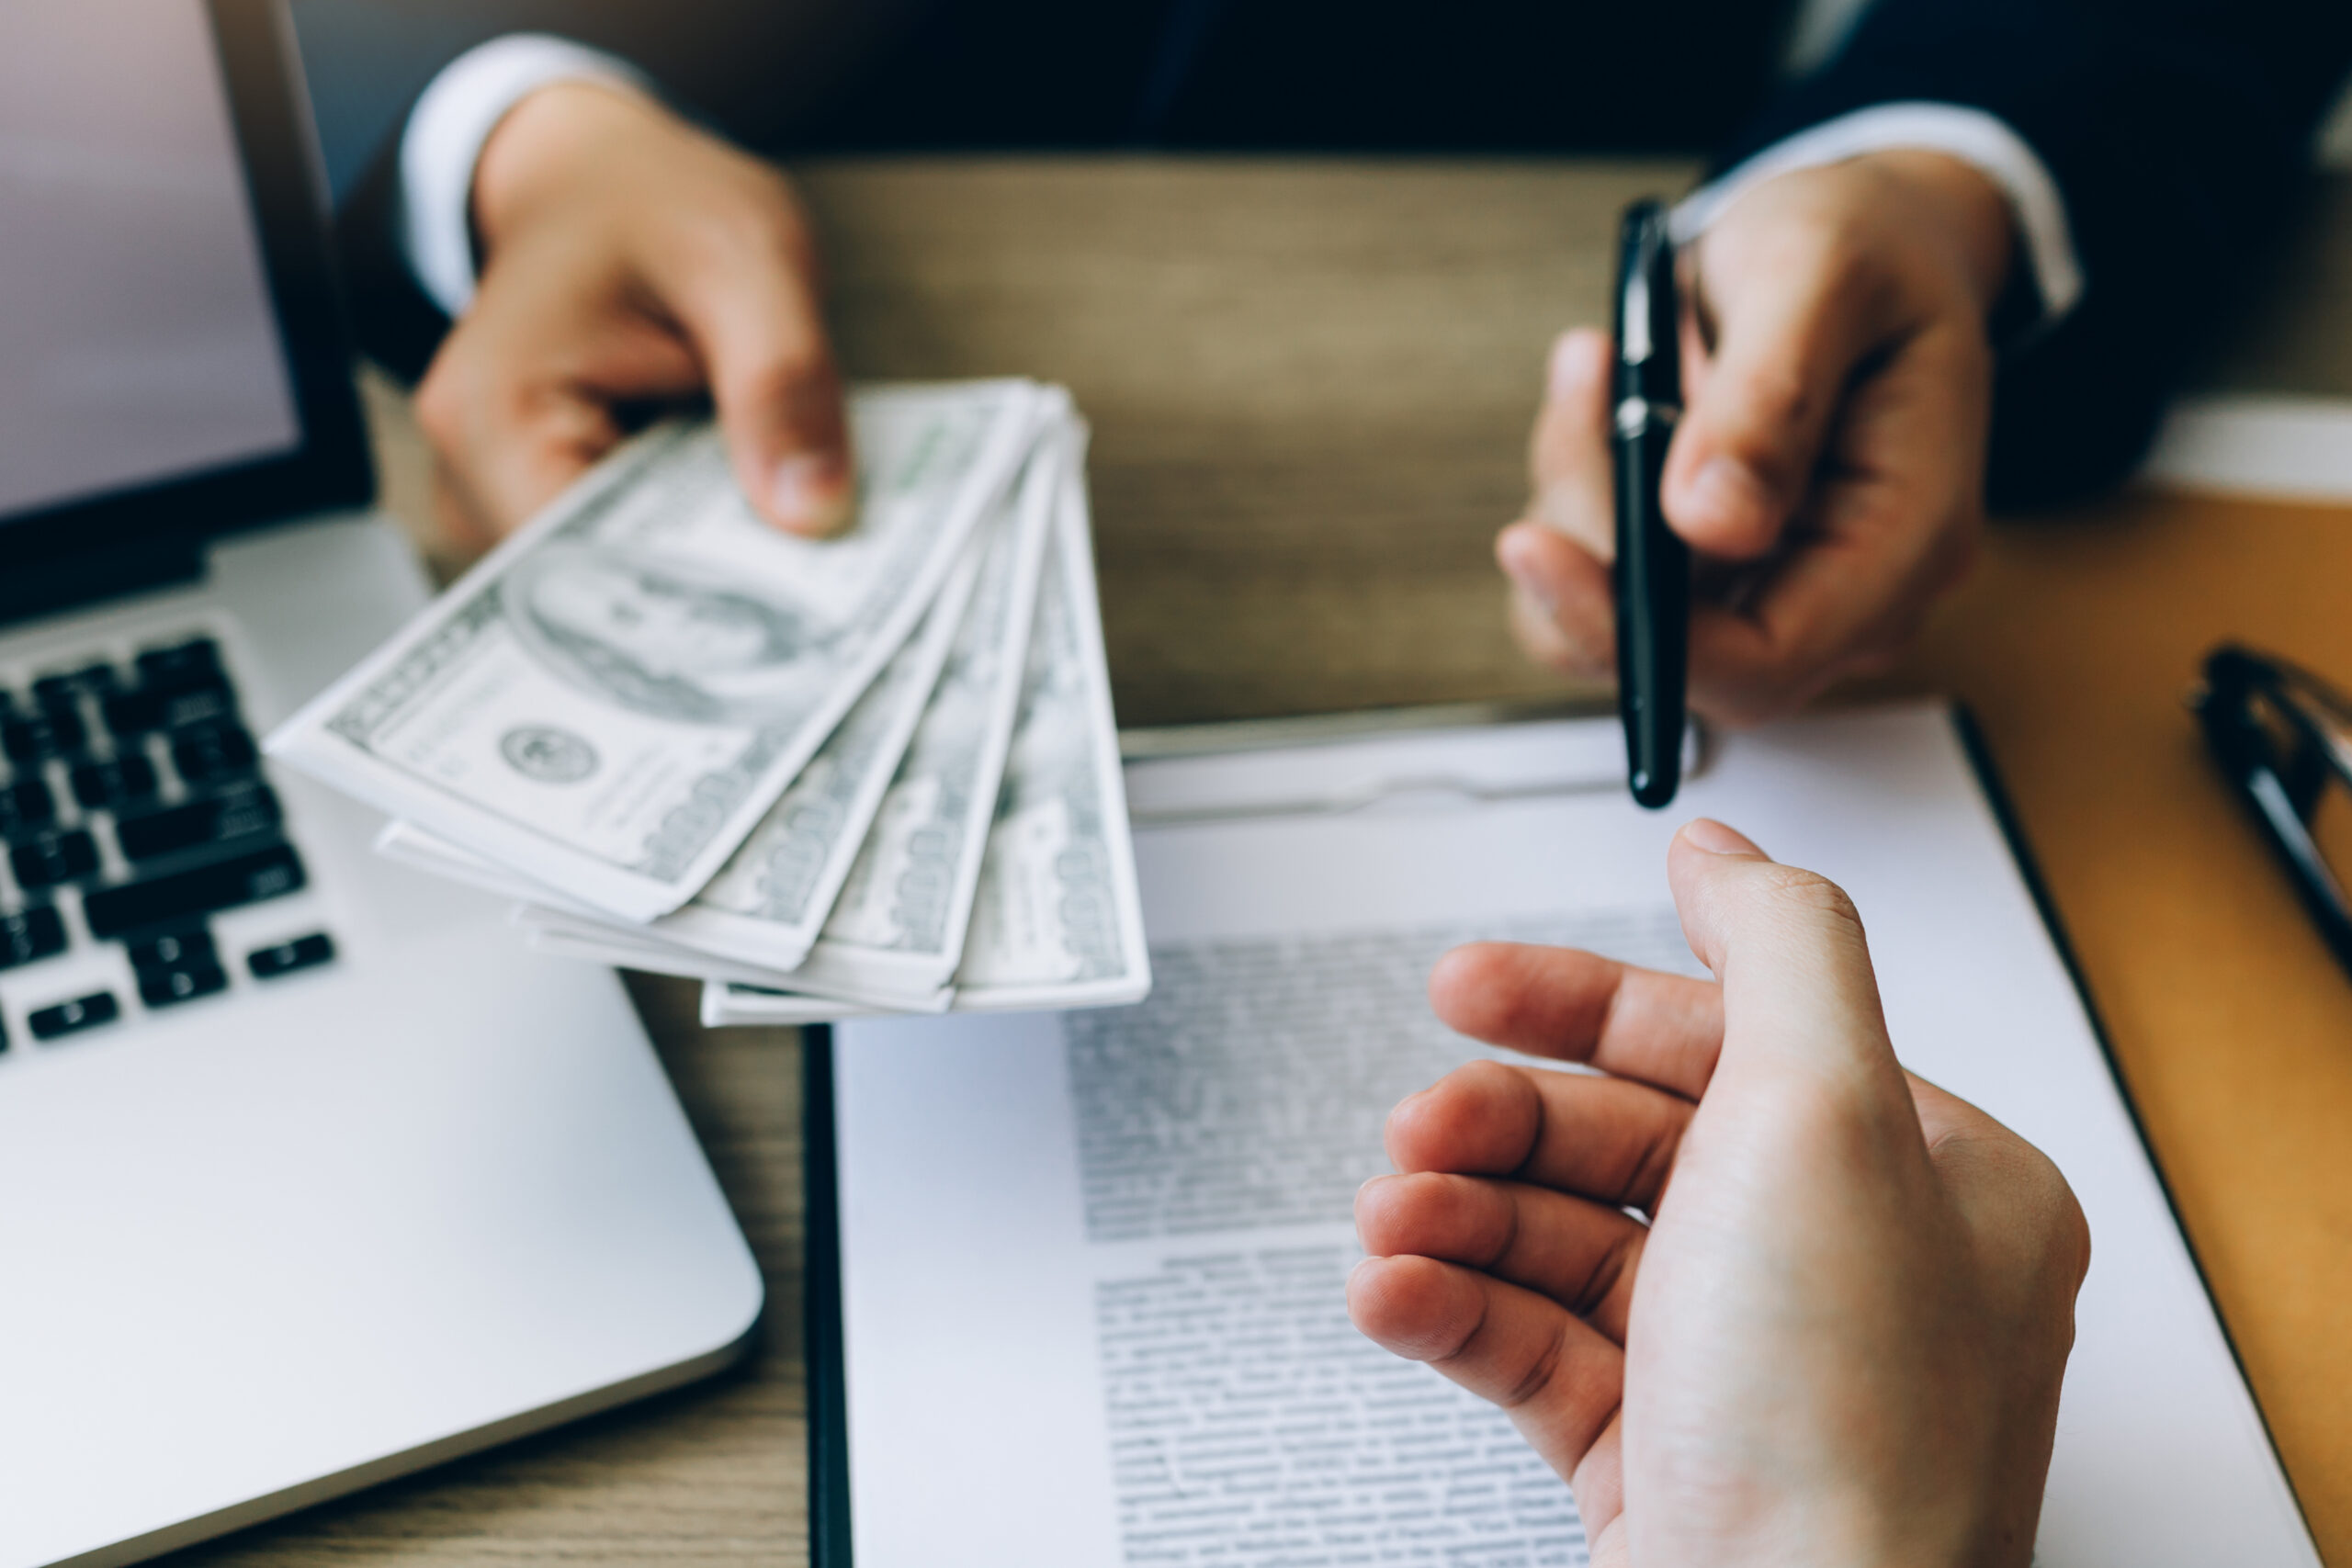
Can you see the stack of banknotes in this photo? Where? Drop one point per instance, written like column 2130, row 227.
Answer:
column 871, row 774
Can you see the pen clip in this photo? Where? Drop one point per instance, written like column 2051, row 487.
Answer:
column 1633, row 345
column 1648, row 306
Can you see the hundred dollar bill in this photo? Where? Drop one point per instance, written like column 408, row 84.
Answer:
column 589, row 943
column 611, row 702
column 769, row 901
column 733, row 1004
column 1057, row 922
column 895, row 934
column 781, row 881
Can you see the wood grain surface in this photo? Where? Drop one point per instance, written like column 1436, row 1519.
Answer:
column 1310, row 384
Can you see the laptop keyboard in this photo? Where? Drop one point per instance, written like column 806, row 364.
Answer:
column 133, row 809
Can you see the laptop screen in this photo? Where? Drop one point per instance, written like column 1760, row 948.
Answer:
column 138, row 339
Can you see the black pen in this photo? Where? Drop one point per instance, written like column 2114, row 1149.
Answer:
column 1653, row 570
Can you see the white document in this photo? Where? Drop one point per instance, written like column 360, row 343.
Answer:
column 1092, row 1262
column 2280, row 448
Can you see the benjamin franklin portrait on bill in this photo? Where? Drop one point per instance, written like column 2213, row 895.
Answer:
column 664, row 637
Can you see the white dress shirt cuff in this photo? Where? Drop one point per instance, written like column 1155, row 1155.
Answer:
column 444, row 139
column 1975, row 138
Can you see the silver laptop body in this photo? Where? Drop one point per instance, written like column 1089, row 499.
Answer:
column 310, row 1173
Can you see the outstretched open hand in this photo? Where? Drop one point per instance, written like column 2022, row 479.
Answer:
column 1840, row 1339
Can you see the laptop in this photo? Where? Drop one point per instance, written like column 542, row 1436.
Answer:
column 310, row 1173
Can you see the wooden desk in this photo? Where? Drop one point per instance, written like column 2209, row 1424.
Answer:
column 1310, row 384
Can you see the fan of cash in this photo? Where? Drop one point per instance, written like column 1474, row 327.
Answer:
column 867, row 774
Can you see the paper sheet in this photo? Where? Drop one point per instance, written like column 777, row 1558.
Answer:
column 1092, row 1263
column 2278, row 448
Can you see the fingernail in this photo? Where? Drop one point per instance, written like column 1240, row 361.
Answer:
column 810, row 492
column 1569, row 369
column 1706, row 833
column 1559, row 372
column 1727, row 491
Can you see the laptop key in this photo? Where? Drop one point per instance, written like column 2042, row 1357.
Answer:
column 31, row 738
column 26, row 806
column 185, row 896
column 171, row 950
column 68, row 1018
column 196, row 662
column 115, row 783
column 142, row 711
column 129, row 714
column 286, row 957
column 30, row 935
column 183, row 983
column 214, row 754
column 214, row 819
column 52, row 857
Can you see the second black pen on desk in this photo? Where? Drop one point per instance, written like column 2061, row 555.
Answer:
column 1653, row 569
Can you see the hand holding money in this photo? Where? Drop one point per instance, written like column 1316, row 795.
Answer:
column 627, row 257
column 878, row 772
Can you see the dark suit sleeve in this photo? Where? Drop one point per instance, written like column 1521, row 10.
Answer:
column 750, row 66
column 2178, row 132
column 366, row 62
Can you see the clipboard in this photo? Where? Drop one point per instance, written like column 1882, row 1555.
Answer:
column 831, row 1489
column 830, row 1539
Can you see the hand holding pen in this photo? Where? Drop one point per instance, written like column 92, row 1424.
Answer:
column 1827, row 469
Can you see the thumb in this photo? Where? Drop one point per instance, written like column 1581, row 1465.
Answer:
column 1799, row 995
column 1787, row 337
column 759, row 330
